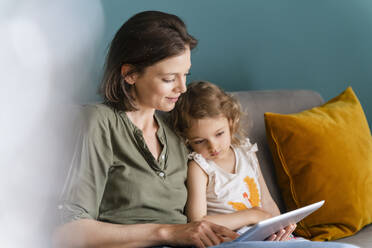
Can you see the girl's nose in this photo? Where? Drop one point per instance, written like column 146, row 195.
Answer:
column 212, row 146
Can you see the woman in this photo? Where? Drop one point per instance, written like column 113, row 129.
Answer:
column 126, row 187
column 130, row 168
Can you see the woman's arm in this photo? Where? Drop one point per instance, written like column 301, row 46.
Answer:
column 92, row 233
column 196, row 207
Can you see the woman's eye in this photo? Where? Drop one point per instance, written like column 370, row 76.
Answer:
column 168, row 80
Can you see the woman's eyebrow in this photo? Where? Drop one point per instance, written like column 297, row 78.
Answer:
column 173, row 73
column 168, row 73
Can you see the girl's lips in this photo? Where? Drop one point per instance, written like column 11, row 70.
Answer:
column 215, row 154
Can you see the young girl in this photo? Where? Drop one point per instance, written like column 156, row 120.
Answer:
column 225, row 183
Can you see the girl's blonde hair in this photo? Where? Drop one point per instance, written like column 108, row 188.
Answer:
column 206, row 100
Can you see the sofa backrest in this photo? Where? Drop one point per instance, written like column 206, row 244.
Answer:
column 254, row 105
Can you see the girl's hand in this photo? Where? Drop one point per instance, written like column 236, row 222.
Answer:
column 283, row 234
column 198, row 233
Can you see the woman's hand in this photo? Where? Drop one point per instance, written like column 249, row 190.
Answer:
column 283, row 234
column 199, row 233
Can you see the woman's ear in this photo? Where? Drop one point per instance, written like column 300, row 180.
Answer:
column 126, row 72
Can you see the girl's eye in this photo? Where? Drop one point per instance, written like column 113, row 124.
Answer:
column 220, row 133
column 197, row 142
column 168, row 80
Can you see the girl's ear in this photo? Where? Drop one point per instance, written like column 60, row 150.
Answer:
column 231, row 125
column 129, row 77
column 232, row 128
column 187, row 143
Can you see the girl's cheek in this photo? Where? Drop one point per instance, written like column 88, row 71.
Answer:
column 198, row 150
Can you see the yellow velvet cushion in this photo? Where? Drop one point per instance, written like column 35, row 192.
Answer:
column 325, row 153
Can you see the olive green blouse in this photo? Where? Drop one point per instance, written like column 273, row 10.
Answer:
column 115, row 178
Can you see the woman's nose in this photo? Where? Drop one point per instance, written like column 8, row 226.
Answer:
column 181, row 87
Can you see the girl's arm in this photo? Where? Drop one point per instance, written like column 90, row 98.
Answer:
column 267, row 201
column 93, row 233
column 269, row 205
column 196, row 207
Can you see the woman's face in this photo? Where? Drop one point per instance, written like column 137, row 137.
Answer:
column 160, row 85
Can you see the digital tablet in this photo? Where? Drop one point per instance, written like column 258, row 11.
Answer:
column 263, row 229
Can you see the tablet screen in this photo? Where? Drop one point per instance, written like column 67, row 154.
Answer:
column 265, row 228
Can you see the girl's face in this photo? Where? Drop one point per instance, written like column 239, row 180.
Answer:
column 210, row 137
column 160, row 85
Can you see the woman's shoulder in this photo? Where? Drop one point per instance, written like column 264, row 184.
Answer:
column 96, row 116
column 98, row 112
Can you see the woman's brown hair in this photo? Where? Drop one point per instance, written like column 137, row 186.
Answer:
column 206, row 100
column 144, row 39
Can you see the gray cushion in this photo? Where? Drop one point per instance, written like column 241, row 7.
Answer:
column 363, row 238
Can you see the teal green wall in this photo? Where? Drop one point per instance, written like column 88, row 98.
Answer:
column 323, row 45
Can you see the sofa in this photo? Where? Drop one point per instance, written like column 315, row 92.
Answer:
column 255, row 104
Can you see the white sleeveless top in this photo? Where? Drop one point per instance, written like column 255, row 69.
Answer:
column 227, row 192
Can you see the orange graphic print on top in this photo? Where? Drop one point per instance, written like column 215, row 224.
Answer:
column 254, row 198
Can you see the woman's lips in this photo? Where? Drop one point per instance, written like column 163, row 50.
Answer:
column 172, row 99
